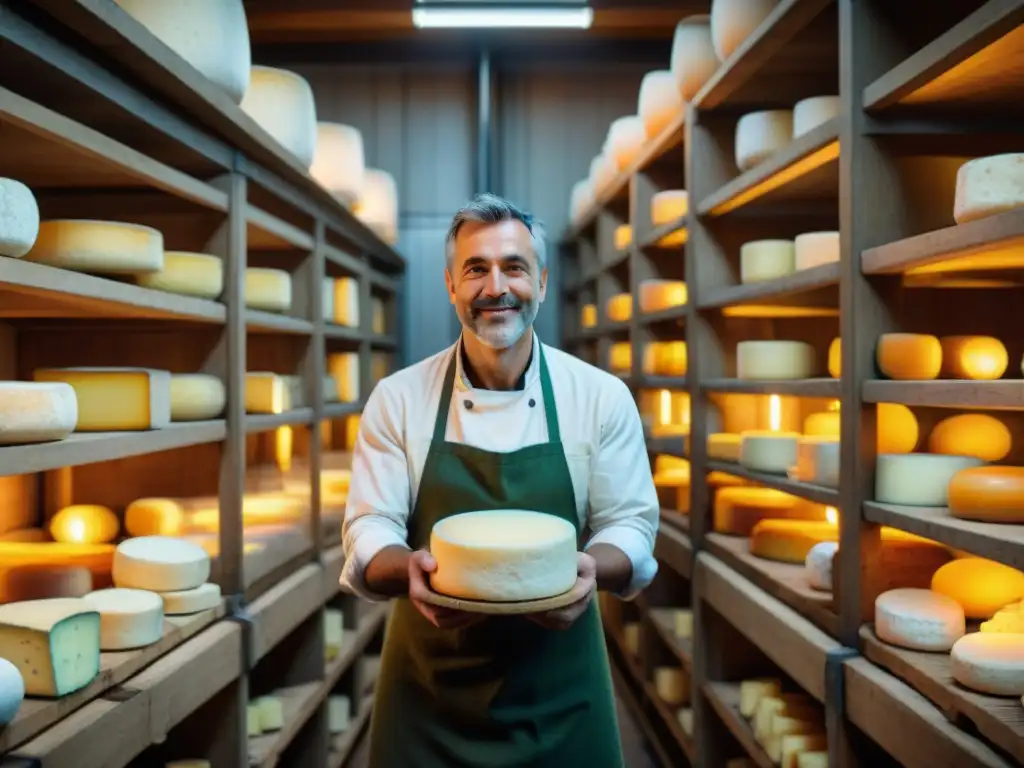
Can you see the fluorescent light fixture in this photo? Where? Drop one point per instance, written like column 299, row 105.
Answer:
column 532, row 18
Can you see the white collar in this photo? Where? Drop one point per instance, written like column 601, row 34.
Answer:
column 532, row 368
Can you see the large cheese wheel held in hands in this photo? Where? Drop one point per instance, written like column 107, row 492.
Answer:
column 659, row 102
column 503, row 556
column 693, row 55
column 733, row 21
column 36, row 412
column 918, row 619
column 378, row 206
column 339, row 164
column 282, row 104
column 19, row 218
column 759, row 135
column 986, row 186
column 103, row 247
column 160, row 564
column 211, row 35
column 626, row 137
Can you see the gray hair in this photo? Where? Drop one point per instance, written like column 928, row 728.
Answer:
column 490, row 209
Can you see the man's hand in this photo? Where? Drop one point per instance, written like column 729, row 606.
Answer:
column 420, row 564
column 586, row 586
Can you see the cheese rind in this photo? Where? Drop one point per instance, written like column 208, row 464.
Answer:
column 55, row 644
column 738, row 509
column 186, row 601
column 196, row 397
column 339, row 162
column 817, row 461
column 268, row 289
column 818, row 565
column 809, row 113
column 971, row 434
column 771, row 452
column 987, row 186
column 789, row 541
column 762, row 260
column 103, row 247
column 813, row 249
column 693, row 59
column 656, row 295
column 733, row 21
column 988, row 494
column 116, row 399
column 378, row 205
column 917, row 479
column 19, row 219
column 503, row 556
column 759, row 135
column 271, row 710
column 282, row 104
column 129, row 618
column 36, row 412
column 154, row 517
column 989, row 663
column 626, row 137
column 980, row 586
column 908, row 356
column 188, row 274
column 160, row 564
column 918, row 619
column 980, row 358
column 668, row 206
column 659, row 102
column 12, row 691
column 774, row 360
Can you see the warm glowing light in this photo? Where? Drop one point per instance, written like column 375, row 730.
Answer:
column 832, row 515
column 84, row 524
column 283, row 441
column 834, row 406
column 981, row 358
column 774, row 413
column 76, row 530
column 664, row 406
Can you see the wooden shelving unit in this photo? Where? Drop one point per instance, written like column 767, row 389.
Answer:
column 103, row 121
column 924, row 87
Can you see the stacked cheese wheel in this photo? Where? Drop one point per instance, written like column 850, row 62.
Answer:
column 175, row 570
column 264, row 715
column 916, row 356
column 790, row 727
column 759, row 135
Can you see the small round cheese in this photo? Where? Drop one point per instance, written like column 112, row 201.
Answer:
column 812, row 249
column 774, row 360
column 917, row 479
column 817, row 460
column 671, row 685
column 908, row 356
column 971, row 434
column 656, row 294
column 84, row 524
column 378, row 205
column 268, row 289
column 818, row 565
column 693, row 55
column 103, row 247
column 987, row 186
column 766, row 260
column 980, row 586
column 339, row 165
column 897, row 428
column 190, row 274
column 808, row 114
column 19, row 218
column 36, row 412
column 789, row 541
column 989, row 663
column 160, row 564
column 129, row 618
column 988, row 494
column 981, row 358
column 12, row 691
column 733, row 21
column 282, row 104
column 154, row 517
column 918, row 619
column 773, row 452
column 626, row 137
column 659, row 102
column 503, row 555
column 186, row 601
column 668, row 206
column 759, row 135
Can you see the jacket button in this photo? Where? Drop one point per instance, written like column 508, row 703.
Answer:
column 468, row 404
column 532, row 402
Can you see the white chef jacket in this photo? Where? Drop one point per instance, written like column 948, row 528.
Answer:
column 601, row 433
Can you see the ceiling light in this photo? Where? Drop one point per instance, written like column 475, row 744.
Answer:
column 534, row 18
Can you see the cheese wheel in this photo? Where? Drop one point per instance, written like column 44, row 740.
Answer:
column 196, row 397
column 759, row 135
column 626, row 137
column 896, row 427
column 800, row 746
column 19, row 218
column 12, row 691
column 1008, row 620
column 773, row 452
column 682, row 622
column 659, row 103
column 908, row 356
column 503, row 555
column 282, row 104
column 693, row 59
column 788, row 704
column 733, row 21
column 620, row 357
column 190, row 274
column 271, row 710
column 981, row 358
column 989, row 663
column 669, row 206
column 620, row 307
column 789, row 541
column 211, row 35
column 917, row 479
column 339, row 165
column 738, row 509
column 971, row 434
column 656, row 295
column 918, row 619
column 84, row 524
column 835, row 358
column 980, row 586
column 987, row 186
column 339, row 710
column 810, row 113
column 603, row 170
column 988, row 494
column 818, row 565
column 813, row 759
column 185, row 601
column 103, row 247
column 344, row 367
column 813, row 249
column 762, row 260
column 664, row 358
column 346, row 302
column 129, row 618
column 581, row 199
column 774, row 360
column 723, row 446
column 623, row 237
column 33, row 412
column 116, row 399
column 268, row 289
column 41, row 581
column 253, row 724
column 817, row 460
column 160, row 564
column 378, row 206
column 752, row 691
column 672, row 685
column 154, row 517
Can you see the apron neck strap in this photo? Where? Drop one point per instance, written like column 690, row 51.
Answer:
column 547, row 392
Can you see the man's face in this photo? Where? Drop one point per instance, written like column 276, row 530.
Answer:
column 495, row 282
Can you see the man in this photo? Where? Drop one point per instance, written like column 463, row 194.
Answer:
column 497, row 421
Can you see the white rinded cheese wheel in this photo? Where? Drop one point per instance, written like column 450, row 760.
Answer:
column 339, row 710
column 918, row 619
column 12, row 691
column 626, row 137
column 817, row 460
column 104, row 247
column 658, row 103
column 36, row 412
column 772, row 452
column 774, row 360
column 129, row 618
column 812, row 249
column 19, row 218
column 339, row 164
column 986, row 186
column 190, row 274
column 759, row 135
column 581, row 199
column 327, row 300
column 503, row 555
column 917, row 479
column 989, row 662
column 819, row 565
column 693, row 55
column 282, row 104
column 268, row 289
column 196, row 397
column 733, row 21
column 160, row 564
column 669, row 206
column 42, row 581
column 113, row 399
column 211, row 35
column 808, row 114
column 185, row 601
column 378, row 206
column 602, row 173
column 766, row 260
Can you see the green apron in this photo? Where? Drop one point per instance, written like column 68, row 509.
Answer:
column 505, row 692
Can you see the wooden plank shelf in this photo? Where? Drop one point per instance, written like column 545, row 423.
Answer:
column 354, row 643
column 671, row 315
column 299, row 702
column 682, row 647
column 673, row 545
column 725, row 701
column 824, row 388
column 653, row 238
column 262, row 422
column 807, row 285
column 283, row 608
column 669, row 720
column 670, row 446
column 644, row 381
column 1002, row 394
column 258, row 321
column 816, row 493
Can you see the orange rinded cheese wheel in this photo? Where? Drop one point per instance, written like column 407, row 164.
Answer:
column 971, row 434
column 981, row 586
column 789, row 541
column 835, row 358
column 981, row 358
column 988, row 494
column 738, row 509
column 897, row 428
column 620, row 307
column 909, row 356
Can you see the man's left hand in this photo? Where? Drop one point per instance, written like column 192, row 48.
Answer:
column 583, row 591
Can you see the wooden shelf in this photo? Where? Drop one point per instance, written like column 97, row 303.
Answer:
column 300, row 702
column 673, row 545
column 807, row 284
column 672, row 314
column 1004, row 394
column 261, row 422
column 825, row 388
column 815, row 493
column 682, row 647
column 725, row 701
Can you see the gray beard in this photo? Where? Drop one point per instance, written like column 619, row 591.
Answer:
column 503, row 335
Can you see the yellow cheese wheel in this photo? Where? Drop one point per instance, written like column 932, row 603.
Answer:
column 623, row 237
column 620, row 357
column 909, row 356
column 835, row 358
column 980, row 586
column 668, row 206
column 84, row 524
column 620, row 307
column 897, row 430
column 971, row 434
column 665, row 358
column 981, row 358
column 789, row 541
column 738, row 509
column 588, row 316
column 989, row 494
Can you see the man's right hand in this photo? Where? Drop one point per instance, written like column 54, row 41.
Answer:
column 422, row 563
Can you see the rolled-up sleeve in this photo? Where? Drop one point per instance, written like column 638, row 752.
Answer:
column 377, row 509
column 623, row 500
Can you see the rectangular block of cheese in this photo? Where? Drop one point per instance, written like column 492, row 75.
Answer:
column 116, row 399
column 267, row 393
column 344, row 368
column 339, row 710
column 346, row 302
